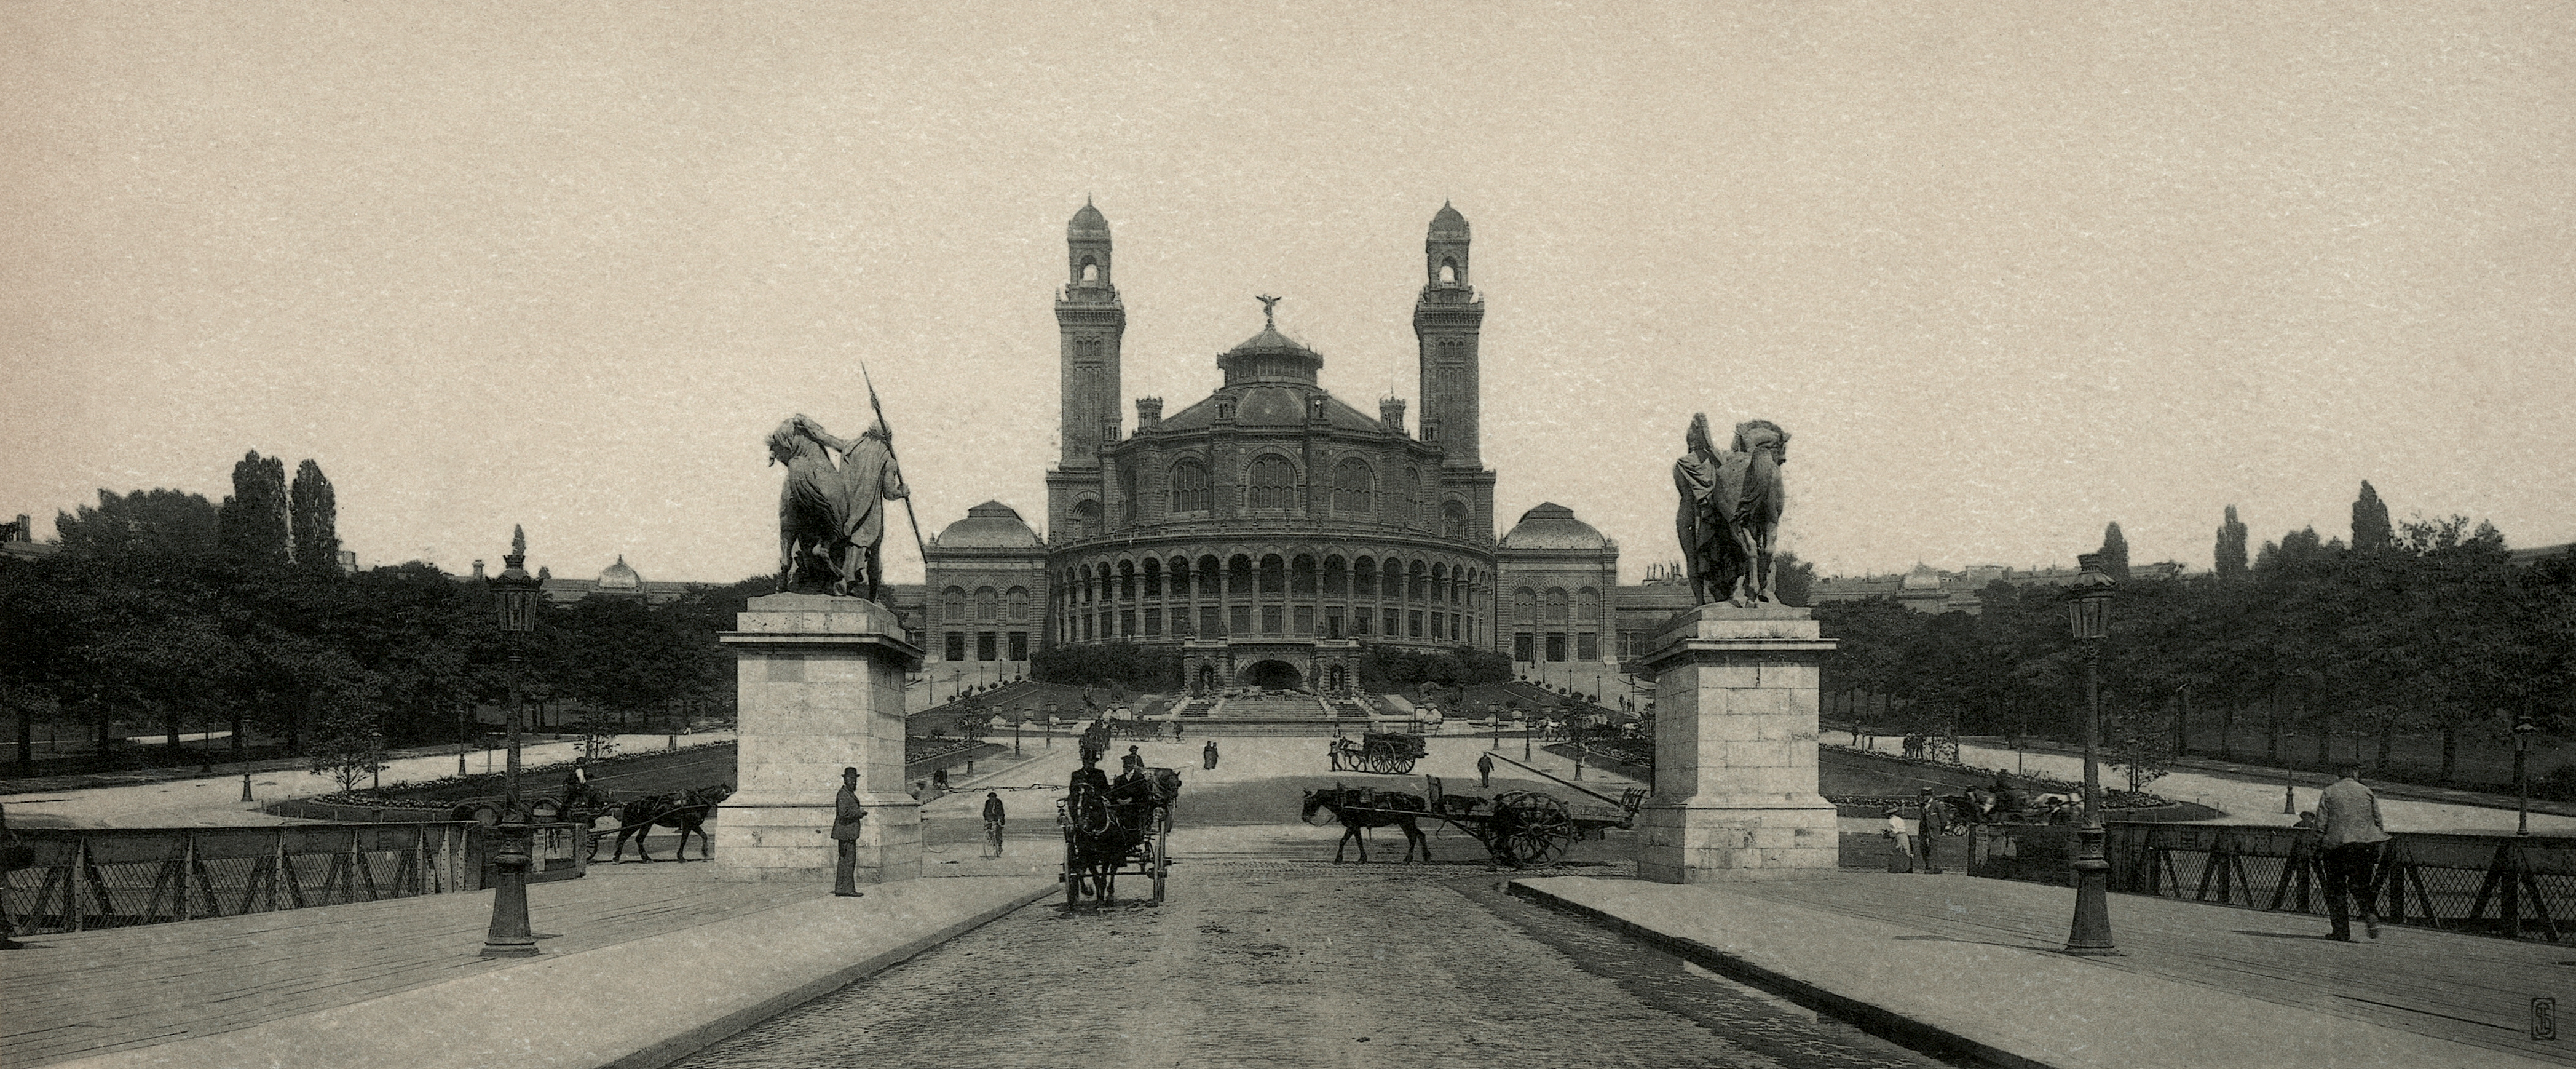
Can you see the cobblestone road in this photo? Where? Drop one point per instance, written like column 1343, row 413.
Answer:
column 1292, row 964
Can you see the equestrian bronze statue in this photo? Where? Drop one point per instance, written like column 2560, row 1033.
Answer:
column 1730, row 512
column 831, row 516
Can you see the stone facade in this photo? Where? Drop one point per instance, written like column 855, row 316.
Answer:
column 1270, row 513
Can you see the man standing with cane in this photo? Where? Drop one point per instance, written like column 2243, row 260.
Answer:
column 847, row 815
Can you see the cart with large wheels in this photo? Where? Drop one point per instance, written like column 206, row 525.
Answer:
column 1385, row 752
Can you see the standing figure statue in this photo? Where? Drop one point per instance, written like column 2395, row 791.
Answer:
column 831, row 518
column 1729, row 522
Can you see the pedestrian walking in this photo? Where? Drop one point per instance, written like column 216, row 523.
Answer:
column 1207, row 756
column 2353, row 833
column 993, row 818
column 847, row 815
column 1485, row 770
column 1928, row 831
column 939, row 778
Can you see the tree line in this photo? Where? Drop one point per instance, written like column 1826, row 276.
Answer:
column 163, row 613
column 2420, row 628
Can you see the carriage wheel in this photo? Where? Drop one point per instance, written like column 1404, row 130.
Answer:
column 1537, row 829
column 1405, row 768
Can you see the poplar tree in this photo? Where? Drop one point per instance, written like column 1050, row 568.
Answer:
column 2370, row 528
column 2231, row 546
column 252, row 523
column 314, row 517
column 2115, row 553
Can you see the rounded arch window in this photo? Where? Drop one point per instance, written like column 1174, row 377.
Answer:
column 1587, row 605
column 1453, row 519
column 1556, row 605
column 1448, row 270
column 1090, row 269
column 1272, row 483
column 1189, row 487
column 1352, row 487
column 1086, row 517
column 1274, row 575
column 1524, row 604
column 1301, row 575
column 1017, row 600
column 987, row 603
column 952, row 603
column 1126, row 580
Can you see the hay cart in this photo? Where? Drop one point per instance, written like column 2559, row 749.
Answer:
column 1388, row 752
column 1518, row 829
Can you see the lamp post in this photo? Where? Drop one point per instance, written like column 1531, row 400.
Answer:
column 514, row 596
column 376, row 758
column 2088, row 613
column 2523, row 730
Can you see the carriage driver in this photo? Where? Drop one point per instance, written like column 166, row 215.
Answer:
column 1090, row 775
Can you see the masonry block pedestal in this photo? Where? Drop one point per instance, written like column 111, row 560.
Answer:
column 1735, row 750
column 820, row 689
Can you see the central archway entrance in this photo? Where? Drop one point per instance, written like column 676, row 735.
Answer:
column 1272, row 675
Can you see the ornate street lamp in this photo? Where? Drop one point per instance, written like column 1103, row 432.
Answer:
column 514, row 598
column 2088, row 616
column 2523, row 730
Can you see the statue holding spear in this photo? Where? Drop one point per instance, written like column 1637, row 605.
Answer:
column 831, row 517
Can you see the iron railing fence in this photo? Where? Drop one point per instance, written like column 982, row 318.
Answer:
column 77, row 880
column 2515, row 886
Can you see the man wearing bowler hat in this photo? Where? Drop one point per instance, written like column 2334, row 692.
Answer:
column 847, row 814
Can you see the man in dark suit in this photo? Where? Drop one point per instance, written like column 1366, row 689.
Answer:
column 847, row 816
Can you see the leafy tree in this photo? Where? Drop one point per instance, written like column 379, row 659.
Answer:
column 2115, row 553
column 252, row 523
column 347, row 744
column 2231, row 547
column 1797, row 579
column 314, row 518
column 145, row 522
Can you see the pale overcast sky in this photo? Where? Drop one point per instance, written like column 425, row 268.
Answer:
column 2006, row 271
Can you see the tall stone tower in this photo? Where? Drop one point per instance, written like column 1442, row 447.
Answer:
column 1446, row 320
column 1091, row 320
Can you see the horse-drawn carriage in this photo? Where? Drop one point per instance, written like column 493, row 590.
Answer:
column 1517, row 828
column 581, row 803
column 1125, row 827
column 1387, row 752
column 2011, row 805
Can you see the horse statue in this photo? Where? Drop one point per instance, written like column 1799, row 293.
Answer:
column 1358, row 809
column 831, row 517
column 1729, row 521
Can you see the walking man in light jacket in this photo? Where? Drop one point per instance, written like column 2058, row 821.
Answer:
column 2349, row 813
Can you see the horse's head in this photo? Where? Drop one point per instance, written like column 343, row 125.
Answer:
column 1314, row 800
column 711, row 794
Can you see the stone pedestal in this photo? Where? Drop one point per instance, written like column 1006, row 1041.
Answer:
column 821, row 689
column 1735, row 750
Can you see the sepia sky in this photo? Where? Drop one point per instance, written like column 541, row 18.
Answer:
column 2005, row 271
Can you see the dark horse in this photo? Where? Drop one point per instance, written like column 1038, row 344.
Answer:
column 1358, row 809
column 688, row 813
column 635, row 821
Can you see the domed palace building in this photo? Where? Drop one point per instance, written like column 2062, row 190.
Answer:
column 1269, row 529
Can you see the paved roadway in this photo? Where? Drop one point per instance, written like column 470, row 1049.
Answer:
column 1265, row 953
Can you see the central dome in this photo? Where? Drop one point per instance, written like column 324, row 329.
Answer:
column 1270, row 357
